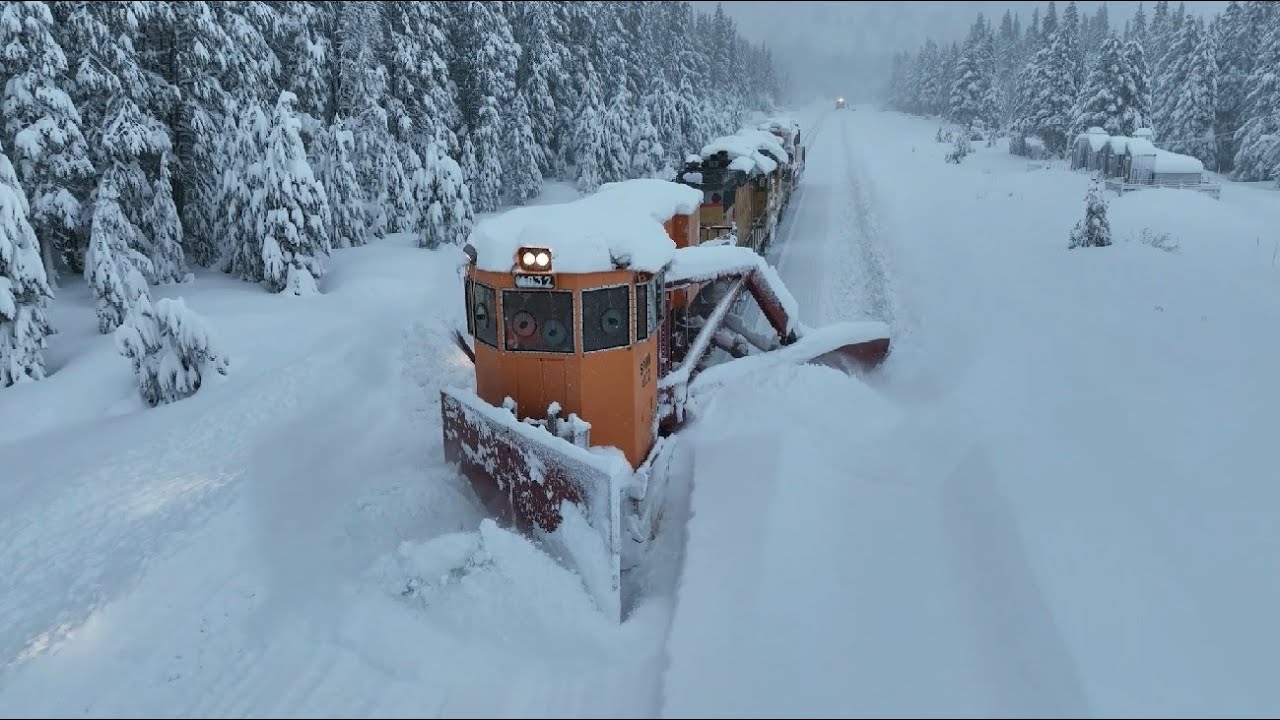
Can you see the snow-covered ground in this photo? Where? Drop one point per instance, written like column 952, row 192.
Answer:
column 248, row 551
column 1057, row 497
column 1060, row 497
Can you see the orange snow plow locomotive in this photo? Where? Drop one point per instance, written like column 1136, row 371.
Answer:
column 571, row 310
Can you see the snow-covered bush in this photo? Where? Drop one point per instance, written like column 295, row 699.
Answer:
column 959, row 149
column 1159, row 240
column 171, row 349
column 1093, row 230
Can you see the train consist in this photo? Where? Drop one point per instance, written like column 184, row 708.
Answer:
column 595, row 325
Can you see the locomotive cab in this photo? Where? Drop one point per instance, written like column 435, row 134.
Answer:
column 570, row 346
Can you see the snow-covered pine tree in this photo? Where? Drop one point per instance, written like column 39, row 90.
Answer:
column 1049, row 25
column 294, row 219
column 422, row 93
column 1259, row 136
column 241, row 148
column 201, row 53
column 24, row 288
column 115, row 269
column 960, row 148
column 540, row 74
column 615, row 160
column 392, row 211
column 1138, row 28
column 1108, row 97
column 1236, row 41
column 448, row 216
column 589, row 143
column 1191, row 86
column 1072, row 43
column 42, row 127
column 363, row 97
column 929, row 79
column 522, row 181
column 307, row 54
column 486, row 57
column 1139, row 89
column 337, row 173
column 1051, row 97
column 171, row 349
column 972, row 100
column 1094, row 229
column 647, row 157
column 161, row 224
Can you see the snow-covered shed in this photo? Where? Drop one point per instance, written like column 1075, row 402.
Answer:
column 1146, row 164
column 1089, row 147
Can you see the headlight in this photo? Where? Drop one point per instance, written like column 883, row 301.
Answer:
column 534, row 259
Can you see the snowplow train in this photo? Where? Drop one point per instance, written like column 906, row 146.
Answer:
column 589, row 323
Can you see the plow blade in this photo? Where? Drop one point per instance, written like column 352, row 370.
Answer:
column 850, row 347
column 543, row 485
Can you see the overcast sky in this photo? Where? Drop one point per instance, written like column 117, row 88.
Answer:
column 808, row 36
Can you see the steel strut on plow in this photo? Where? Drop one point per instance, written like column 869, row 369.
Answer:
column 529, row 473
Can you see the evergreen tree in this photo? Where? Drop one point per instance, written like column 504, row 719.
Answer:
column 1094, row 229
column 1051, row 97
column 115, row 269
column 42, row 126
column 1138, row 28
column 1259, row 136
column 487, row 61
column 348, row 217
column 294, row 217
column 1110, row 95
column 170, row 348
column 1190, row 107
column 1140, row 89
column 1236, row 39
column 24, row 288
column 973, row 93
column 161, row 224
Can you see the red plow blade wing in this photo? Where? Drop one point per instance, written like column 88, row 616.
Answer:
column 544, row 485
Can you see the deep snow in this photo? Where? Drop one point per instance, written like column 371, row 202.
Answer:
column 1056, row 498
column 1067, row 507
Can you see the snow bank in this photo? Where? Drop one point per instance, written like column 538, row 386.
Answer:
column 747, row 151
column 1125, row 406
column 621, row 224
column 827, row 574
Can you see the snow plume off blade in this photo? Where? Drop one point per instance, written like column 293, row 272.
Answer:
column 543, row 485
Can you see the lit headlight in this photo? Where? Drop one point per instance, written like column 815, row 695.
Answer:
column 534, row 259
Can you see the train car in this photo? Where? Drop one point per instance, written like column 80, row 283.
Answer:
column 787, row 130
column 726, row 195
column 579, row 390
column 841, row 104
column 750, row 159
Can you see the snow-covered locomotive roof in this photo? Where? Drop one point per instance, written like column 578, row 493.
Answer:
column 786, row 124
column 746, row 150
column 620, row 224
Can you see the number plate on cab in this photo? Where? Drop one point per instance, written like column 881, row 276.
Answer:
column 537, row 282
